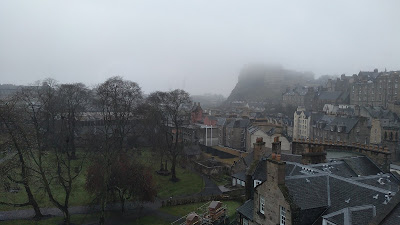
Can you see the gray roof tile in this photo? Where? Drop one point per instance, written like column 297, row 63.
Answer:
column 247, row 209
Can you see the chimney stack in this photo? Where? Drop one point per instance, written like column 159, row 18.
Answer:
column 276, row 146
column 259, row 149
column 276, row 171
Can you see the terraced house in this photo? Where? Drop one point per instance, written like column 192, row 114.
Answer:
column 338, row 192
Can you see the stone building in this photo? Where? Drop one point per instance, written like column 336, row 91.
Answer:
column 300, row 96
column 301, row 123
column 236, row 134
column 340, row 84
column 342, row 191
column 376, row 89
column 344, row 129
column 255, row 132
column 330, row 97
column 221, row 126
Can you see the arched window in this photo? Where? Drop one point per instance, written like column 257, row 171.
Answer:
column 385, row 137
column 391, row 135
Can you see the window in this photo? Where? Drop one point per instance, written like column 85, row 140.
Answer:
column 283, row 215
column 262, row 204
column 245, row 221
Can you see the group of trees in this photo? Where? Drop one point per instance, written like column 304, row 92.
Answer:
column 42, row 128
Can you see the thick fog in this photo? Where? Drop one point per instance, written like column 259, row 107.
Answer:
column 199, row 46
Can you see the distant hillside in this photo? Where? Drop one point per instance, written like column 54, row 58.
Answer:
column 266, row 83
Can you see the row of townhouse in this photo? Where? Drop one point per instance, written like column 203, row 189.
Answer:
column 364, row 125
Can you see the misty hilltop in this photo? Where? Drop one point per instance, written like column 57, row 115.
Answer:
column 260, row 82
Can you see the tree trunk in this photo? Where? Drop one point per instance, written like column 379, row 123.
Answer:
column 173, row 171
column 103, row 212
column 67, row 216
column 38, row 214
column 122, row 205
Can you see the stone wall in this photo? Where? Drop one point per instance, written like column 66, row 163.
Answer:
column 379, row 155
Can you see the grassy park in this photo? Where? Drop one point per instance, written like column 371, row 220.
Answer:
column 189, row 183
column 182, row 210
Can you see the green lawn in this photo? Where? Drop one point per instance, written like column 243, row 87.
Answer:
column 79, row 195
column 189, row 182
column 182, row 210
column 221, row 179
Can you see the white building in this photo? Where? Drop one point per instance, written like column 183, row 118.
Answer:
column 301, row 123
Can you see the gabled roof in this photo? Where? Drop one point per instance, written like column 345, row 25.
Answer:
column 352, row 215
column 332, row 95
column 362, row 165
column 309, row 192
column 260, row 173
column 240, row 176
column 342, row 186
column 348, row 122
column 247, row 209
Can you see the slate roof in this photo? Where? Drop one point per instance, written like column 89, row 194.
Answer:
column 380, row 113
column 362, row 165
column 309, row 216
column 247, row 209
column 260, row 173
column 339, row 168
column 348, row 122
column 240, row 176
column 253, row 129
column 321, row 188
column 309, row 192
column 385, row 181
column 249, row 158
column 333, row 95
column 291, row 158
column 221, row 121
column 350, row 194
column 354, row 215
column 394, row 217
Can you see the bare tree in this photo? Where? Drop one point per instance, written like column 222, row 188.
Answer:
column 154, row 126
column 17, row 169
column 51, row 117
column 175, row 110
column 117, row 101
column 72, row 100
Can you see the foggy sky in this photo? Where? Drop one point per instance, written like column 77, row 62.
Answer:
column 196, row 45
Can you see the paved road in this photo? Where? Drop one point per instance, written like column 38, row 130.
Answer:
column 29, row 213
